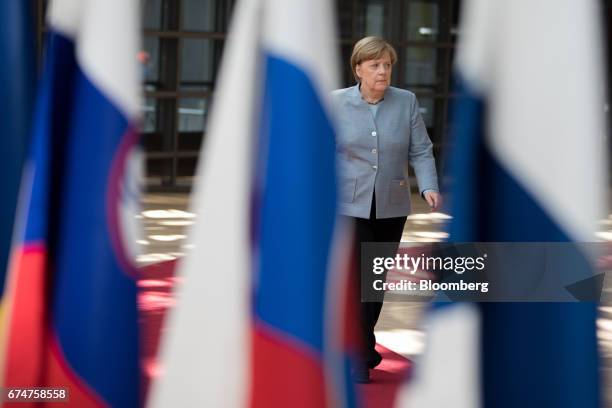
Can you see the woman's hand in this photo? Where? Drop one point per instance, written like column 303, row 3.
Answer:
column 434, row 199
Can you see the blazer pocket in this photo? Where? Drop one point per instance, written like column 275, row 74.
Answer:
column 347, row 190
column 398, row 192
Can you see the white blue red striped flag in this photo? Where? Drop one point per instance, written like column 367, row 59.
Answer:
column 72, row 318
column 259, row 319
column 529, row 165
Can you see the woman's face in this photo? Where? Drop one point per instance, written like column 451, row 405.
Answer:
column 375, row 74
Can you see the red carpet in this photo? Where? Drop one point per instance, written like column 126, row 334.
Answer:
column 387, row 379
column 155, row 298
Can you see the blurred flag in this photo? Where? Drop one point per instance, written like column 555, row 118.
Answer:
column 529, row 166
column 17, row 81
column 72, row 318
column 260, row 313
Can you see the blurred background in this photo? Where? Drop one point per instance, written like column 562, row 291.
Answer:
column 183, row 43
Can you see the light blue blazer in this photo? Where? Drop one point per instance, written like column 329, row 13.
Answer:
column 373, row 153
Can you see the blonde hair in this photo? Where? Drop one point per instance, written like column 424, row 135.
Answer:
column 370, row 48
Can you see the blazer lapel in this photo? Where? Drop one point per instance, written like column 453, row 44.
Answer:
column 361, row 106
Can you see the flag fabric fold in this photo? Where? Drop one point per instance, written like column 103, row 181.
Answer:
column 261, row 313
column 18, row 81
column 529, row 165
column 72, row 320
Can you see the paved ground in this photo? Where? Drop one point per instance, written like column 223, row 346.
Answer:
column 166, row 217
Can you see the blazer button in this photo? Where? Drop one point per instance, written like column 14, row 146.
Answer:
column 374, row 133
column 374, row 151
column 375, row 167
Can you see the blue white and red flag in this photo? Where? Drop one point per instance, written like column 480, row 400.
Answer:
column 529, row 165
column 261, row 315
column 72, row 319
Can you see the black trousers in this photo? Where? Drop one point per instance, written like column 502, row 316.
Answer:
column 373, row 230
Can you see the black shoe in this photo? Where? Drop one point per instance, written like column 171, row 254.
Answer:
column 361, row 375
column 375, row 360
